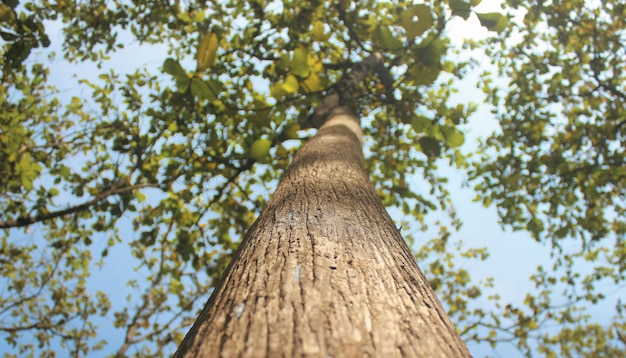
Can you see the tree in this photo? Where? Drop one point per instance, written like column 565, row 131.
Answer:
column 324, row 270
column 165, row 165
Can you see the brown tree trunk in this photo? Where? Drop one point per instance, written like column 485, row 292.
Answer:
column 324, row 272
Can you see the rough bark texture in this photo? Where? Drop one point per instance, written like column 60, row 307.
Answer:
column 324, row 272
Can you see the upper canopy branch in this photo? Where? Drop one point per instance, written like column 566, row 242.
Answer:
column 343, row 92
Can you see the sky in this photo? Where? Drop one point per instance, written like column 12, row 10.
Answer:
column 514, row 256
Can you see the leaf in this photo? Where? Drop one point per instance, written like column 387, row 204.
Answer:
column 430, row 51
column 174, row 68
column 260, row 150
column 461, row 8
column 201, row 90
column 453, row 137
column 291, row 84
column 9, row 37
column 284, row 62
column 288, row 87
column 423, row 75
column 6, row 14
column 199, row 16
column 313, row 83
column 417, row 20
column 317, row 34
column 64, row 172
column 387, row 40
column 493, row 21
column 299, row 64
column 28, row 170
column 291, row 132
column 421, row 124
column 207, row 49
column 184, row 17
column 430, row 146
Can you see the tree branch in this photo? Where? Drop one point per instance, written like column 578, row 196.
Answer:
column 117, row 188
column 38, row 325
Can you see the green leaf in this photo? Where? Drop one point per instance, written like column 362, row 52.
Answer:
column 28, row 170
column 64, row 171
column 386, row 39
column 430, row 146
column 174, row 68
column 461, row 8
column 493, row 21
column 423, row 75
column 421, row 124
column 430, row 51
column 453, row 137
column 417, row 20
column 284, row 62
column 201, row 90
column 260, row 150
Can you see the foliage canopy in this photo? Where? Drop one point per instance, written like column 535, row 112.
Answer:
column 172, row 164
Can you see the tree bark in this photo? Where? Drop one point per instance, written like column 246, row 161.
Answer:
column 324, row 272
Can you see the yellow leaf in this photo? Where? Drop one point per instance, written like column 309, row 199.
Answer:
column 184, row 17
column 288, row 87
column 313, row 83
column 207, row 48
column 315, row 64
column 299, row 64
column 291, row 84
column 199, row 16
column 6, row 14
column 453, row 137
column 317, row 34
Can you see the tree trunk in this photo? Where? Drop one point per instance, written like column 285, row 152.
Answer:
column 324, row 272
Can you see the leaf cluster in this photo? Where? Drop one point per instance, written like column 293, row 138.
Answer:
column 556, row 166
